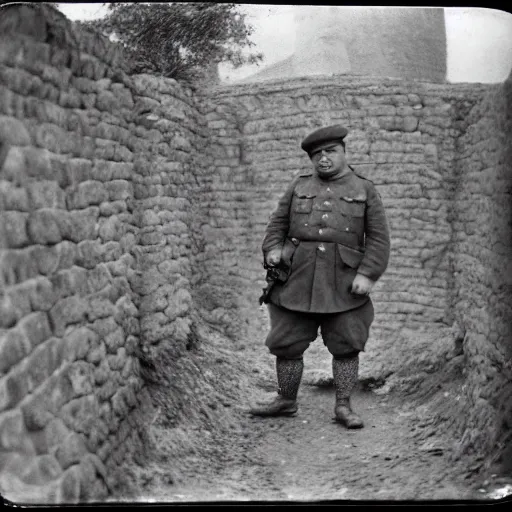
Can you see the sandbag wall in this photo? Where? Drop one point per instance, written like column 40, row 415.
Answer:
column 98, row 243
column 402, row 136
column 482, row 267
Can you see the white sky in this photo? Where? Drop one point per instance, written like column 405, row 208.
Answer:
column 479, row 40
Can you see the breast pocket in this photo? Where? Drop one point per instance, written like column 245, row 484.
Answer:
column 302, row 203
column 352, row 207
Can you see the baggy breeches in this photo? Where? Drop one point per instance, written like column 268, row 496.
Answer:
column 345, row 333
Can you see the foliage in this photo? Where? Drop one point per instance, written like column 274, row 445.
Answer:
column 179, row 40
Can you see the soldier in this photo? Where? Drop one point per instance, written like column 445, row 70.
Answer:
column 330, row 234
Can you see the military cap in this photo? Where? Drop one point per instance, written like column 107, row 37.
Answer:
column 322, row 135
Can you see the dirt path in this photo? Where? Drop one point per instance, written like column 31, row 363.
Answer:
column 399, row 455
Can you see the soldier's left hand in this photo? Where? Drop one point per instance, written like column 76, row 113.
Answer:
column 362, row 285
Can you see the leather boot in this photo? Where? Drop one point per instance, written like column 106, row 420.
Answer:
column 289, row 374
column 345, row 373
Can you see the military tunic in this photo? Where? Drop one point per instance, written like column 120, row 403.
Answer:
column 329, row 230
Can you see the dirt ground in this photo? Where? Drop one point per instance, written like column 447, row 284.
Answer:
column 214, row 452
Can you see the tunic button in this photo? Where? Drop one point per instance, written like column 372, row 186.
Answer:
column 325, row 216
column 306, row 224
column 320, row 231
column 346, row 229
column 321, row 248
column 327, row 203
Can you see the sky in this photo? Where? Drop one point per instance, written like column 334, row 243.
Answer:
column 479, row 40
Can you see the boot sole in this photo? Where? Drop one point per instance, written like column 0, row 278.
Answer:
column 351, row 427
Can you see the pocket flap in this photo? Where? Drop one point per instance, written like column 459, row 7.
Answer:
column 304, row 195
column 354, row 199
column 353, row 206
column 302, row 202
column 349, row 256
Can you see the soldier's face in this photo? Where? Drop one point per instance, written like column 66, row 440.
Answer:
column 329, row 159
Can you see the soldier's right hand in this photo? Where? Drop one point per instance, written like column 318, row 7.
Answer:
column 273, row 257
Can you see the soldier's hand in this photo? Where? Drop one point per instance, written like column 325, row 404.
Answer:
column 362, row 285
column 274, row 257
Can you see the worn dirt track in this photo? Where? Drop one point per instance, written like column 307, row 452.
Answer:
column 216, row 453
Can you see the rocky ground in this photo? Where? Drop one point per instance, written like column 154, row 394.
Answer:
column 212, row 451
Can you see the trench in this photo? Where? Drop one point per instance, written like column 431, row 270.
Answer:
column 407, row 451
column 132, row 210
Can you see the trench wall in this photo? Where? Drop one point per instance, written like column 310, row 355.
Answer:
column 402, row 136
column 482, row 266
column 98, row 245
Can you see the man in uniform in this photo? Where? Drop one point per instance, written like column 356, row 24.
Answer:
column 330, row 233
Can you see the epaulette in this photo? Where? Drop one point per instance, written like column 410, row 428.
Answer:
column 305, row 174
column 364, row 178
